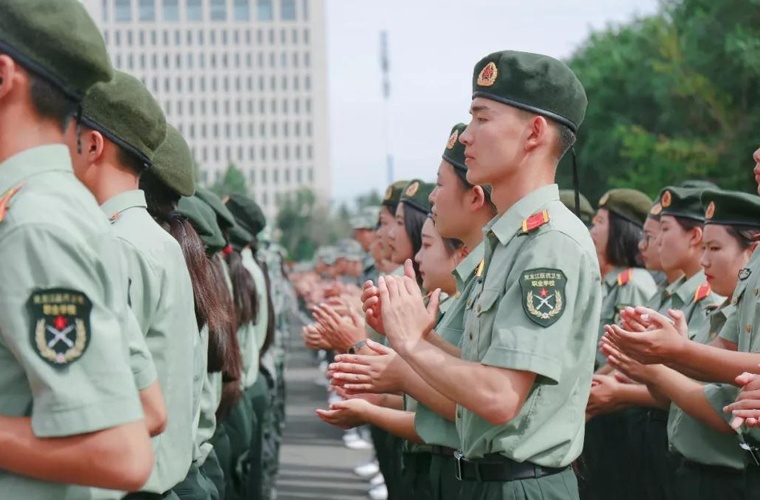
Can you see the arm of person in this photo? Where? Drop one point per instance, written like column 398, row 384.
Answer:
column 709, row 363
column 354, row 412
column 152, row 401
column 441, row 344
column 118, row 458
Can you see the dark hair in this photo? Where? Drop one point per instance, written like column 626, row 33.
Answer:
column 243, row 290
column 50, row 102
column 565, row 139
column 462, row 176
column 130, row 160
column 623, row 242
column 744, row 235
column 688, row 224
column 271, row 325
column 413, row 222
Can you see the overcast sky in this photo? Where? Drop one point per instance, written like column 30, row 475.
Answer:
column 434, row 45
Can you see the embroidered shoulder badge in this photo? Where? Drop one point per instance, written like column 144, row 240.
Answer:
column 60, row 324
column 543, row 295
column 6, row 199
column 535, row 221
column 625, row 277
column 702, row 292
column 488, row 74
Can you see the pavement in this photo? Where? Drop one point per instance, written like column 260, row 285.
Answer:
column 313, row 461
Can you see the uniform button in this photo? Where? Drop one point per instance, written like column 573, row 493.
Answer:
column 469, row 303
column 756, row 292
column 734, row 301
column 459, row 413
column 470, row 335
column 748, row 328
column 479, row 308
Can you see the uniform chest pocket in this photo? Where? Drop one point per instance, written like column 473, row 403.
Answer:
column 486, row 302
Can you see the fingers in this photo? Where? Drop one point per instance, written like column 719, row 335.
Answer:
column 746, row 405
column 392, row 286
column 736, row 422
column 360, row 389
column 383, row 291
column 379, row 348
column 353, row 378
column 745, row 378
column 349, row 368
column 409, row 270
column 435, row 300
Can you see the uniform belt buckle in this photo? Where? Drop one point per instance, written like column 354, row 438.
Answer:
column 753, row 451
column 458, row 456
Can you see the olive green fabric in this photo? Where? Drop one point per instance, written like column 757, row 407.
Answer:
column 562, row 486
column 498, row 332
column 699, row 184
column 567, row 197
column 255, row 342
column 454, row 152
column 393, row 194
column 416, row 195
column 56, row 237
column 415, row 476
column 173, row 163
column 694, row 482
column 532, row 82
column 687, row 435
column 203, row 221
column 161, row 298
column 211, row 396
column 682, row 202
column 431, row 427
column 225, row 219
column 731, row 208
column 444, row 484
column 247, row 213
column 56, row 40
column 683, row 298
column 630, row 204
column 621, row 288
column 127, row 114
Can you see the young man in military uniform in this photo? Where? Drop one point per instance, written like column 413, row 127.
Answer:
column 520, row 415
column 123, row 127
column 71, row 412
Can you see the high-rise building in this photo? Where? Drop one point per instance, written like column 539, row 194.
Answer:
column 245, row 81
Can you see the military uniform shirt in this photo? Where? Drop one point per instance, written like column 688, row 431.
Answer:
column 623, row 287
column 431, row 427
column 211, row 397
column 536, row 309
column 63, row 355
column 259, row 327
column 695, row 309
column 691, row 438
column 161, row 297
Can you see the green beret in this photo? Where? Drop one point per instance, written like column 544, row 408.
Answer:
column 224, row 217
column 328, row 255
column 127, row 114
column 366, row 219
column 173, row 163
column 454, row 152
column 630, row 204
column 393, row 194
column 731, row 208
column 203, row 221
column 239, row 237
column 247, row 213
column 697, row 183
column 567, row 197
column 56, row 40
column 532, row 82
column 417, row 195
column 682, row 202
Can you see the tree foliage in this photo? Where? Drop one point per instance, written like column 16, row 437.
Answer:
column 233, row 181
column 673, row 96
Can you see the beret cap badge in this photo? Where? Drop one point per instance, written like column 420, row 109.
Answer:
column 488, row 74
column 710, row 212
column 667, row 199
column 412, row 189
column 452, row 140
column 389, row 193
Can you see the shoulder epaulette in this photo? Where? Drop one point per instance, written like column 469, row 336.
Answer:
column 702, row 292
column 6, row 199
column 625, row 277
column 535, row 221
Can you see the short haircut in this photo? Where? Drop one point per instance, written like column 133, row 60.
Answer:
column 462, row 176
column 130, row 160
column 565, row 139
column 744, row 235
column 623, row 242
column 50, row 102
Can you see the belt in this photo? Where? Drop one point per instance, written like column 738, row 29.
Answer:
column 721, row 469
column 442, row 450
column 146, row 495
column 657, row 415
column 502, row 469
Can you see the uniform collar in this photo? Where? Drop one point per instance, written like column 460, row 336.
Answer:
column 467, row 267
column 611, row 277
column 505, row 227
column 123, row 201
column 30, row 162
column 688, row 288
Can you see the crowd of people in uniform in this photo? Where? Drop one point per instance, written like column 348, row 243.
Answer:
column 143, row 319
column 508, row 340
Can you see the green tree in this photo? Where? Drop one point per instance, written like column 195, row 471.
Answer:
column 233, row 181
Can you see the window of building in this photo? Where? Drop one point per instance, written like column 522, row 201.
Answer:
column 284, row 83
column 261, row 83
column 224, row 38
column 189, row 37
column 194, row 10
column 262, row 130
column 284, row 60
column 271, row 37
column 142, row 61
column 190, row 61
column 203, row 86
column 213, row 84
column 166, row 37
column 311, row 174
column 262, row 107
column 224, row 60
column 296, row 83
column 288, row 10
column 272, row 61
column 265, row 198
column 216, row 131
column 227, row 130
column 236, row 37
column 286, row 156
column 305, row 10
column 296, row 60
column 275, row 176
column 250, row 112
column 294, row 36
column 273, row 83
column 213, row 60
column 260, row 60
column 285, row 129
column 212, row 35
column 251, row 176
column 237, row 60
column 141, row 38
column 202, row 60
column 264, row 10
column 252, row 153
column 249, row 60
column 283, row 37
column 200, row 37
column 240, row 133
column 123, row 10
column 117, row 37
column 226, row 84
column 171, row 10
column 298, row 129
column 147, row 10
column 191, row 88
column 118, row 61
column 307, row 59
column 106, row 4
column 250, row 131
column 263, row 153
column 299, row 176
column 298, row 151
column 168, row 105
column 153, row 37
column 264, row 178
column 178, row 60
column 191, row 104
column 242, row 10
column 218, row 10
column 130, row 62
column 306, row 36
column 215, row 107
column 297, row 106
column 177, row 38
column 203, row 133
column 307, row 84
column 260, row 36
column 179, row 109
column 310, row 152
column 273, row 106
column 308, row 129
column 274, row 130
column 192, row 131
column 237, row 83
column 155, row 85
column 106, row 37
column 285, row 106
column 203, row 107
column 226, row 107
column 129, row 38
column 166, row 61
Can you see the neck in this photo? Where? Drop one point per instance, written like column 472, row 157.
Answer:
column 605, row 268
column 474, row 237
column 24, row 135
column 673, row 276
column 112, row 180
column 513, row 188
column 691, row 269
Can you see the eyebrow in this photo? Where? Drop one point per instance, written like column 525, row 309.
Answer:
column 478, row 108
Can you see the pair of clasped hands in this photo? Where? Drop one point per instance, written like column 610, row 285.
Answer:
column 646, row 341
column 395, row 308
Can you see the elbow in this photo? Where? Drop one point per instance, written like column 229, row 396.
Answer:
column 136, row 466
column 500, row 414
column 156, row 421
column 125, row 461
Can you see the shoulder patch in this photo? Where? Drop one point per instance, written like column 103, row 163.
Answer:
column 543, row 295
column 60, row 324
column 535, row 221
column 625, row 277
column 702, row 292
column 6, row 199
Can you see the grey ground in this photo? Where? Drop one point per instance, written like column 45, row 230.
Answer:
column 314, row 462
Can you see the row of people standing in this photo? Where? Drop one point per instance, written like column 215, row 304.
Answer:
column 139, row 311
